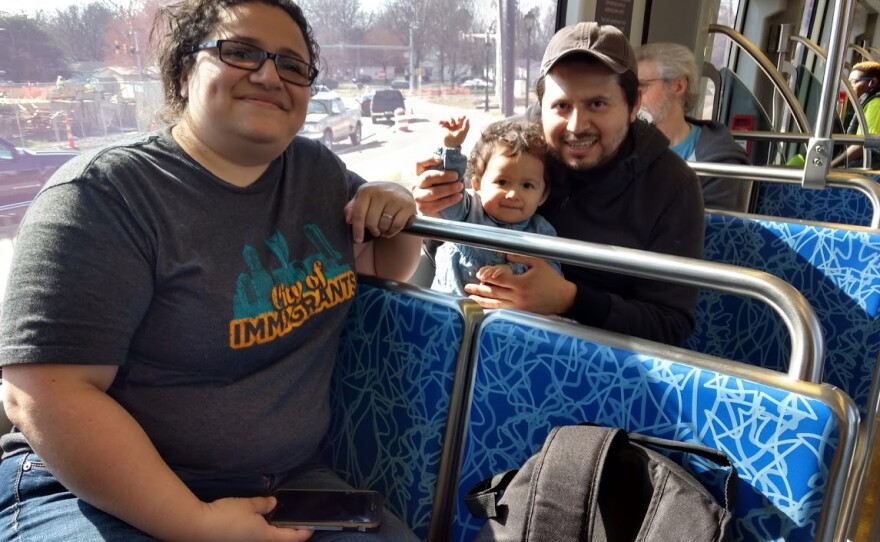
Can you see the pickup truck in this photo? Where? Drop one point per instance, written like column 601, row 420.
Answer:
column 23, row 171
column 329, row 120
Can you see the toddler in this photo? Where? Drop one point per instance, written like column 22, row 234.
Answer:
column 506, row 172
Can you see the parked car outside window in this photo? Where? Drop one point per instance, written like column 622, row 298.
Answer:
column 23, row 171
column 401, row 84
column 385, row 102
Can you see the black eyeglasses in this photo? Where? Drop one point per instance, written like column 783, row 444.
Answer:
column 248, row 57
column 858, row 79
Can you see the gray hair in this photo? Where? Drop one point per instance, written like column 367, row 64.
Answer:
column 674, row 61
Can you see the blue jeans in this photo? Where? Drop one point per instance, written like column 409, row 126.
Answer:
column 35, row 507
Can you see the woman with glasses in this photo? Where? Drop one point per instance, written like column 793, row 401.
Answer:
column 175, row 302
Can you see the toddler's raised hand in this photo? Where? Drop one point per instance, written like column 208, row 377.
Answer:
column 456, row 130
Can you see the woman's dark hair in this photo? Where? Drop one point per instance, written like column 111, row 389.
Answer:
column 181, row 26
column 628, row 80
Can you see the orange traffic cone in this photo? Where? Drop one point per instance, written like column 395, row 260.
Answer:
column 70, row 142
column 401, row 119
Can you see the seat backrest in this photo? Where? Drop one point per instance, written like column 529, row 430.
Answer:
column 391, row 392
column 837, row 269
column 791, row 442
column 831, row 204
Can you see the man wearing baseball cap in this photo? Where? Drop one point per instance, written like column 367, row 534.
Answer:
column 614, row 180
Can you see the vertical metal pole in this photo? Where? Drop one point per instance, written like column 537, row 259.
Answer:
column 137, row 53
column 497, row 29
column 55, row 127
column 528, row 61
column 781, row 120
column 99, row 99
column 818, row 160
column 412, row 62
column 840, row 29
column 138, row 96
column 18, row 122
column 488, row 51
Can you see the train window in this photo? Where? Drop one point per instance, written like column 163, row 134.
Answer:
column 727, row 16
column 76, row 75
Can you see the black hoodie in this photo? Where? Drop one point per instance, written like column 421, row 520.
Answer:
column 645, row 198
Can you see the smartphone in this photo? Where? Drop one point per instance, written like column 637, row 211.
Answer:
column 328, row 510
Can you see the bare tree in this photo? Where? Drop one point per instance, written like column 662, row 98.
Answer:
column 126, row 40
column 337, row 23
column 82, row 29
column 28, row 50
column 380, row 35
column 403, row 16
column 447, row 37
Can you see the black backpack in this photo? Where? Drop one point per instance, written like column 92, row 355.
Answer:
column 590, row 483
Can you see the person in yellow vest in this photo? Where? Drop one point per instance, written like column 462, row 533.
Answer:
column 865, row 80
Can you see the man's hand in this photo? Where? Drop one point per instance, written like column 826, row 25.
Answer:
column 540, row 289
column 435, row 190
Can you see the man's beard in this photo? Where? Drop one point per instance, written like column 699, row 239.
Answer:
column 661, row 113
column 577, row 165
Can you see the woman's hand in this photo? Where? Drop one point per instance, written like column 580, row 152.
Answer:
column 384, row 208
column 239, row 520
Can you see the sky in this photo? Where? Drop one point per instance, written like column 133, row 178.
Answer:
column 32, row 6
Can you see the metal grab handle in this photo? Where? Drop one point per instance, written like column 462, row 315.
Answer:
column 850, row 93
column 870, row 141
column 787, row 175
column 807, row 339
column 767, row 67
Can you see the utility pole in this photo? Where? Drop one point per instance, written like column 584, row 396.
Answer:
column 508, row 65
column 530, row 26
column 137, row 53
column 489, row 38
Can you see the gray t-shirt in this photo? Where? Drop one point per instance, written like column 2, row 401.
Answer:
column 221, row 305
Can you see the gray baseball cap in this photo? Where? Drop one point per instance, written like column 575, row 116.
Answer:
column 604, row 42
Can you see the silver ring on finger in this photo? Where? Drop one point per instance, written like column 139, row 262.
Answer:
column 388, row 216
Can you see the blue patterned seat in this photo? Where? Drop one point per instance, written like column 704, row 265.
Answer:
column 837, row 269
column 792, row 443
column 835, row 205
column 391, row 393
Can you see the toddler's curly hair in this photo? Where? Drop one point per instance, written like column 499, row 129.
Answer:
column 510, row 137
